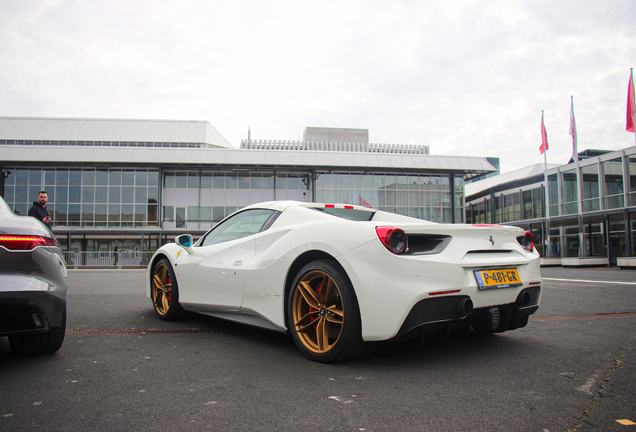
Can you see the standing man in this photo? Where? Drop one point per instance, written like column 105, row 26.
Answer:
column 39, row 210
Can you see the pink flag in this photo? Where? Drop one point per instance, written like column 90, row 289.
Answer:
column 575, row 152
column 363, row 202
column 544, row 137
column 630, row 104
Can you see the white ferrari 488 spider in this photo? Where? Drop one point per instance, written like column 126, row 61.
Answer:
column 340, row 277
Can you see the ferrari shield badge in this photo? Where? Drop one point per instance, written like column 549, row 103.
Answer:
column 179, row 253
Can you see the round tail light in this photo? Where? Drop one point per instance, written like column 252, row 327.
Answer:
column 526, row 241
column 394, row 239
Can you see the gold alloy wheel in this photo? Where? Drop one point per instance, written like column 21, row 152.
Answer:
column 161, row 289
column 318, row 312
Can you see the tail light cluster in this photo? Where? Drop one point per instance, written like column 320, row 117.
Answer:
column 25, row 242
column 397, row 242
column 526, row 241
column 394, row 239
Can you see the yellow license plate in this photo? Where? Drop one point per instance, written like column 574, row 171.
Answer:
column 498, row 278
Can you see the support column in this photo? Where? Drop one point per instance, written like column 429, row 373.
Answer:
column 493, row 219
column 629, row 246
column 579, row 205
column 608, row 240
column 314, row 177
column 274, row 184
column 452, row 196
column 582, row 251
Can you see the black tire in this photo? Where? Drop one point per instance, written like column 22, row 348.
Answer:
column 164, row 292
column 39, row 343
column 323, row 313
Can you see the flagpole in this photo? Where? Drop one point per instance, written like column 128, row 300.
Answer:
column 547, row 203
column 579, row 180
column 546, row 235
column 575, row 139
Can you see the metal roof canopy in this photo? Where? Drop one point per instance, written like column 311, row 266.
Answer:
column 184, row 158
column 510, row 180
column 110, row 130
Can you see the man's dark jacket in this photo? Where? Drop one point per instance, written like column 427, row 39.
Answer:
column 39, row 212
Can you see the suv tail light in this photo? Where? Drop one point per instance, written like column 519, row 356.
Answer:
column 25, row 242
column 526, row 241
column 394, row 239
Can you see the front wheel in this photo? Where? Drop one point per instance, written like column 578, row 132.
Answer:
column 165, row 292
column 324, row 314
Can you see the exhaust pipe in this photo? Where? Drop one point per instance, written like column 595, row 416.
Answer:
column 523, row 299
column 464, row 307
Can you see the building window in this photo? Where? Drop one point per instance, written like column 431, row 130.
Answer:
column 590, row 191
column 553, row 188
column 421, row 196
column 537, row 203
column 459, row 199
column 570, row 192
column 86, row 197
column 498, row 209
column 632, row 180
column 479, row 213
column 613, row 183
column 527, row 204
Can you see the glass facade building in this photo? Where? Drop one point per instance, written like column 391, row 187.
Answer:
column 588, row 212
column 87, row 198
column 197, row 200
column 139, row 196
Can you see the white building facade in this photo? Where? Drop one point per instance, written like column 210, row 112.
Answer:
column 137, row 183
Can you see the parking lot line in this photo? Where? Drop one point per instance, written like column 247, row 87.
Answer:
column 600, row 315
column 589, row 281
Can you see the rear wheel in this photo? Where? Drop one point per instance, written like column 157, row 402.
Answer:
column 39, row 343
column 324, row 314
column 165, row 292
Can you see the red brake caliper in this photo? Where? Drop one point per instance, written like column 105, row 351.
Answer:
column 311, row 308
column 170, row 294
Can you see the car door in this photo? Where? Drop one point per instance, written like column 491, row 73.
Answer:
column 212, row 277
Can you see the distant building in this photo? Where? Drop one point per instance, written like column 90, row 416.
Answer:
column 494, row 161
column 140, row 182
column 590, row 211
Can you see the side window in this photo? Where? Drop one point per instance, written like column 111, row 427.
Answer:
column 240, row 225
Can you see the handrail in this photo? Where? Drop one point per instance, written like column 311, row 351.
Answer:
column 107, row 259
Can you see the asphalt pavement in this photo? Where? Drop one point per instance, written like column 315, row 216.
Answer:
column 573, row 368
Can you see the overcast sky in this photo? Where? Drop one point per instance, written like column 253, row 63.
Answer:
column 464, row 77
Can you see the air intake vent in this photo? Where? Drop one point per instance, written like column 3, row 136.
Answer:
column 426, row 244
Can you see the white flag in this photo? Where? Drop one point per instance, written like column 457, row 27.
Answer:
column 575, row 152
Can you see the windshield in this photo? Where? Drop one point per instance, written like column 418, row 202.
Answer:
column 243, row 224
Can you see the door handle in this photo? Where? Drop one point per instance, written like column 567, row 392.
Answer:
column 238, row 262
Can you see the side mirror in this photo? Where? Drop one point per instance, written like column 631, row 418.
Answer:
column 185, row 241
